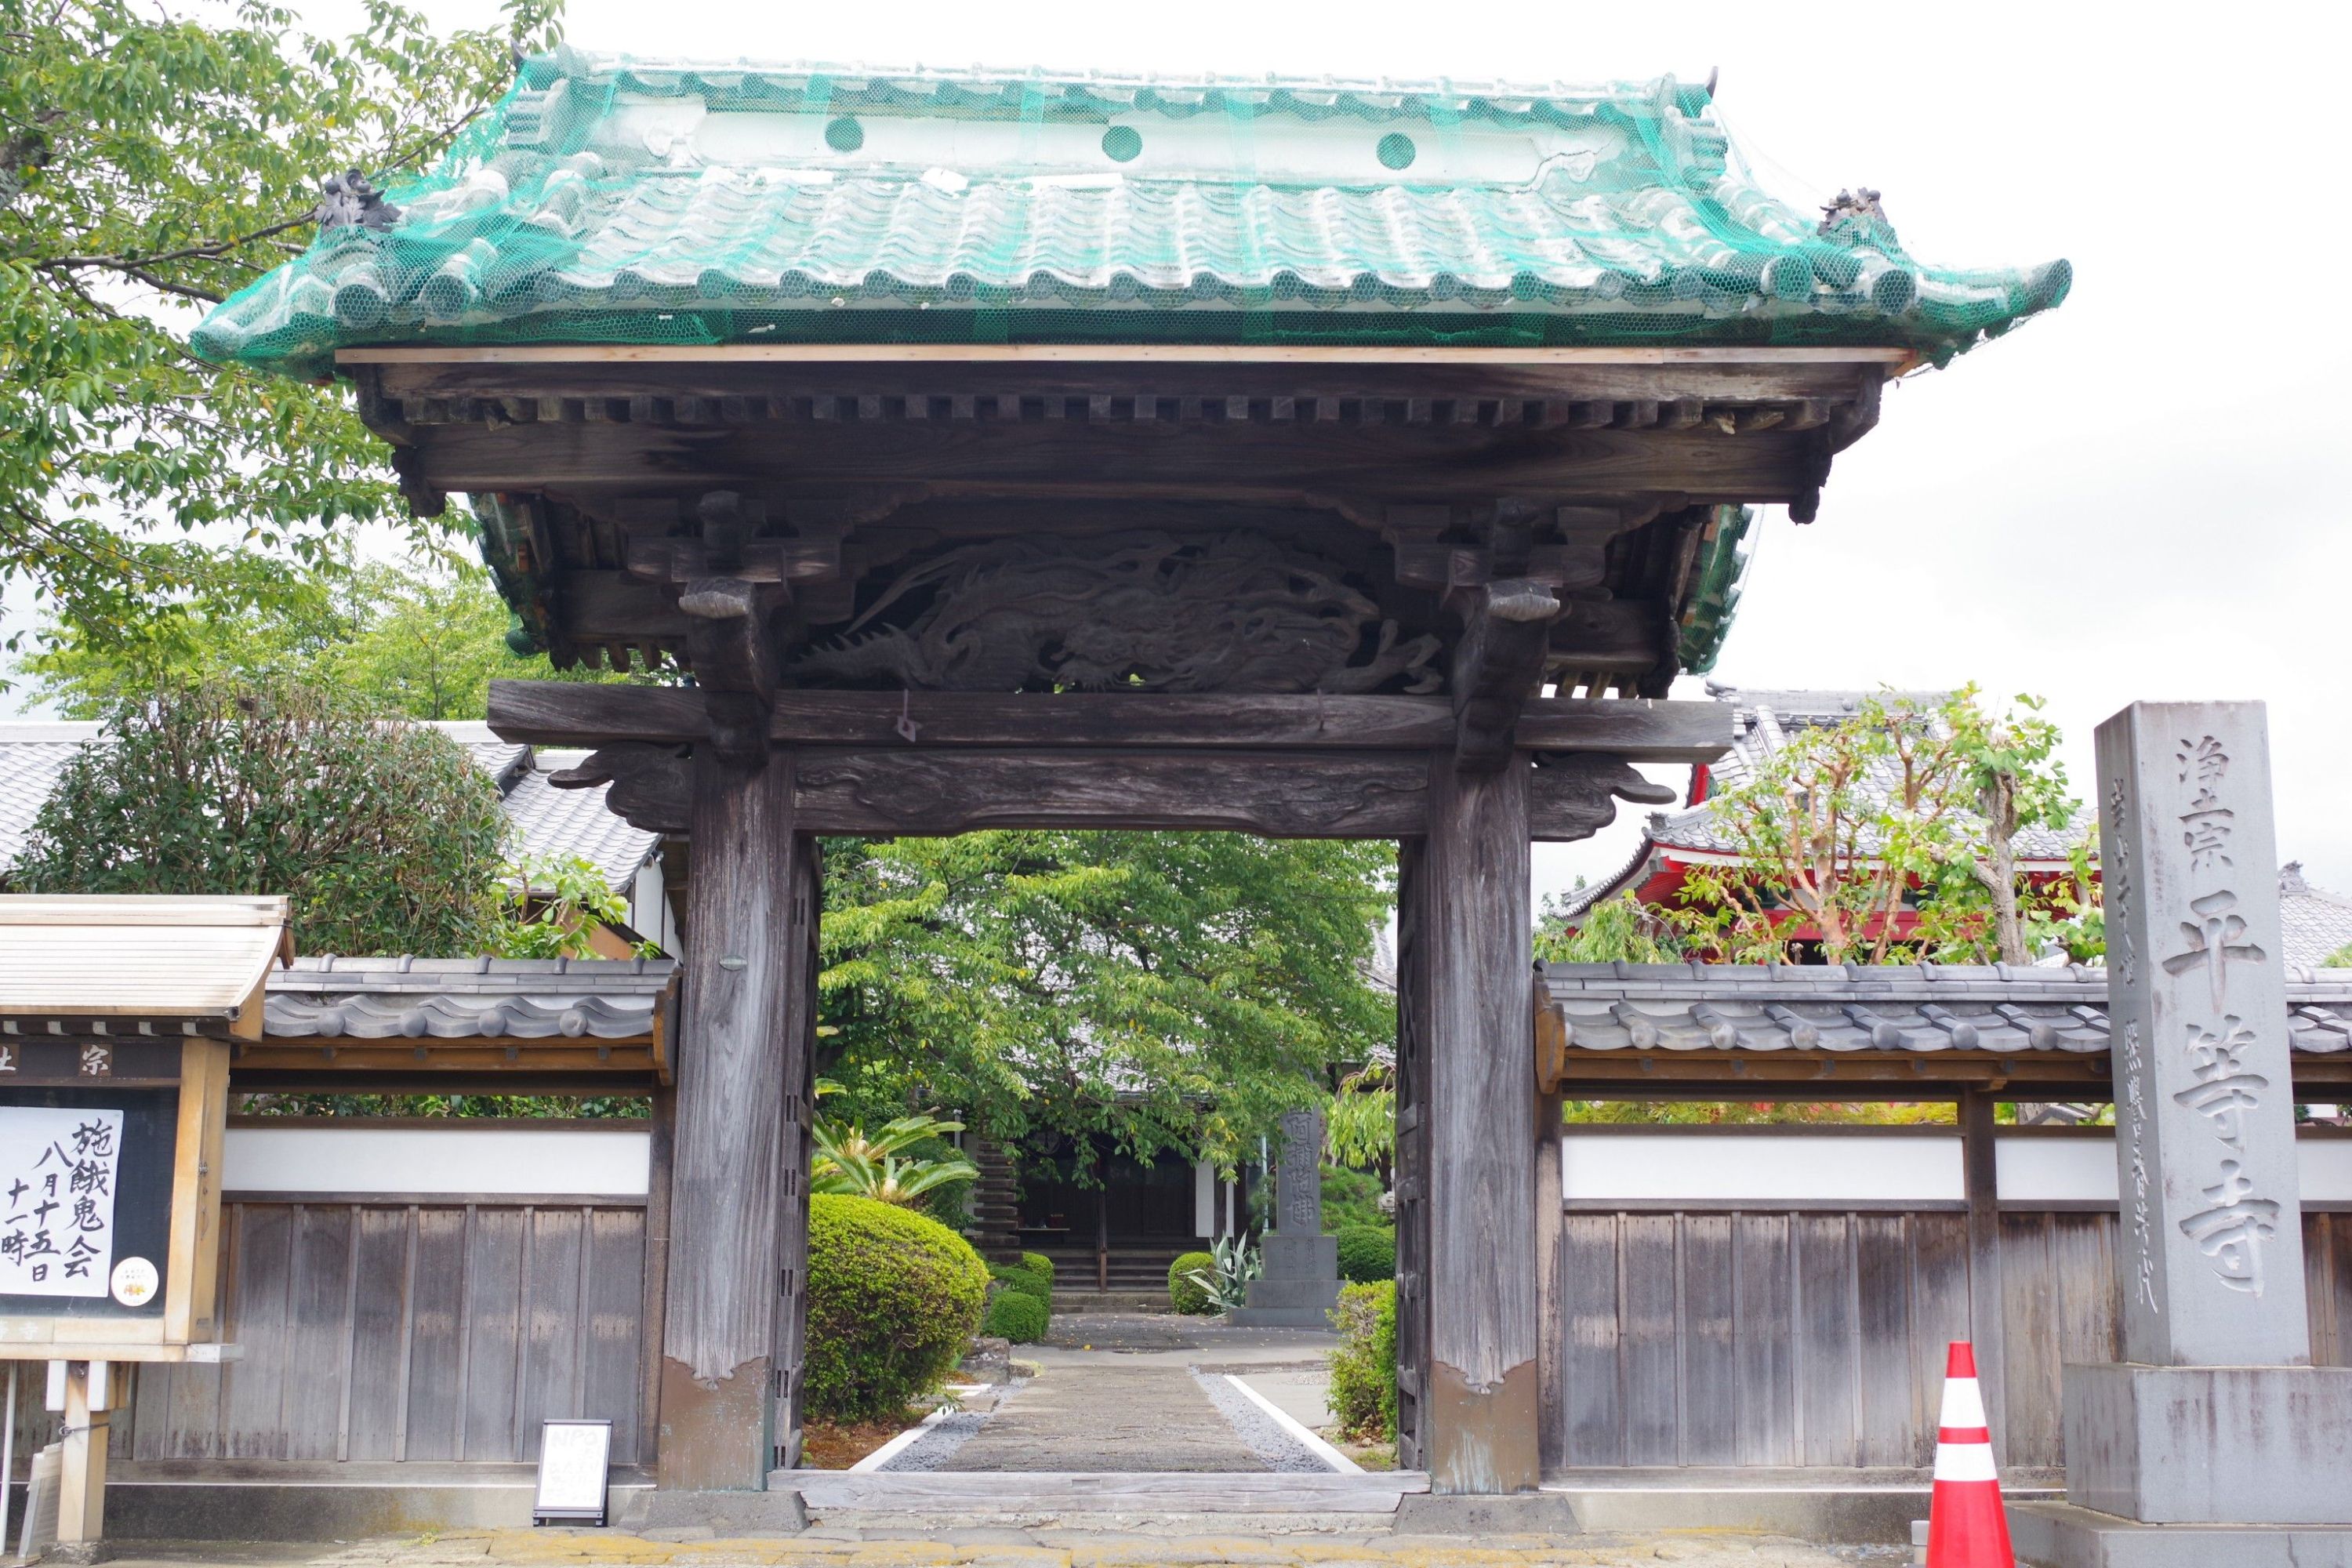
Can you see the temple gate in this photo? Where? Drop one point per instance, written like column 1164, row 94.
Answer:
column 1304, row 459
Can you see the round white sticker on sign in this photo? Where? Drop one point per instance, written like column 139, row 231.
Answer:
column 134, row 1281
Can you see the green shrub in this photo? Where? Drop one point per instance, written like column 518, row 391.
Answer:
column 1363, row 1367
column 1351, row 1198
column 1366, row 1254
column 1040, row 1265
column 1021, row 1278
column 1017, row 1316
column 892, row 1300
column 1184, row 1292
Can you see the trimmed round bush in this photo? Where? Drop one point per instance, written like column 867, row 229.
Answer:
column 1040, row 1265
column 1184, row 1292
column 1018, row 1317
column 1021, row 1278
column 1366, row 1254
column 892, row 1300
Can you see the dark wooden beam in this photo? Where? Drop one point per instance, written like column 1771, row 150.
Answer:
column 1282, row 795
column 566, row 713
column 1289, row 464
column 1296, row 795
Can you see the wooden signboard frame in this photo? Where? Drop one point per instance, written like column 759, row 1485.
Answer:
column 187, row 1328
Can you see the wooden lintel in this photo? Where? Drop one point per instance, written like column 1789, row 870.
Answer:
column 562, row 714
column 337, row 1058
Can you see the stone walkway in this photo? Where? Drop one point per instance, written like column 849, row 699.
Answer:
column 946, row 1544
column 1128, row 1393
column 1096, row 1417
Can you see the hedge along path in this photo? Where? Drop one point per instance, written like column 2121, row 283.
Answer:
column 1094, row 1417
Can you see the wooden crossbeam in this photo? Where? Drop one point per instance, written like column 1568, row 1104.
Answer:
column 562, row 713
column 1282, row 795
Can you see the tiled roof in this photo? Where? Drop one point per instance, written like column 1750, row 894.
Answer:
column 461, row 998
column 1909, row 1009
column 619, row 201
column 2315, row 922
column 543, row 821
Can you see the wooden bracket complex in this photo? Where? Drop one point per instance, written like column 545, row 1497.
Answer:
column 729, row 586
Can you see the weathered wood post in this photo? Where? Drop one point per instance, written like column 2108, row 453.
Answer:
column 739, row 1193
column 2215, row 1415
column 1480, row 1402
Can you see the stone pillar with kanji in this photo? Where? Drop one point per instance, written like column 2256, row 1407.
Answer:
column 1300, row 1283
column 2214, row 1416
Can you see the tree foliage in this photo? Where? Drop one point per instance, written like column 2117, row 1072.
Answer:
column 152, row 163
column 1844, row 830
column 1154, row 991
column 1619, row 929
column 385, row 837
column 424, row 637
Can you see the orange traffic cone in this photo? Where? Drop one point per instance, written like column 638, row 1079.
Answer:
column 1966, row 1525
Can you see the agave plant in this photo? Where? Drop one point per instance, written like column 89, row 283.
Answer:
column 848, row 1159
column 1234, row 1262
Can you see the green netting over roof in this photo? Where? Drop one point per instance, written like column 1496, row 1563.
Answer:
column 611, row 201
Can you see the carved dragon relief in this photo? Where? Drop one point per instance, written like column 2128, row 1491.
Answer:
column 1137, row 611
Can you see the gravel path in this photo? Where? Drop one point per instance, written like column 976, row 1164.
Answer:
column 1264, row 1436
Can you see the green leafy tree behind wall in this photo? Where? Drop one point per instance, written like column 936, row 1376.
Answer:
column 422, row 637
column 385, row 837
column 1151, row 991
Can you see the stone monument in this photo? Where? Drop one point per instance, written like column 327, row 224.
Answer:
column 2214, row 1440
column 1301, row 1281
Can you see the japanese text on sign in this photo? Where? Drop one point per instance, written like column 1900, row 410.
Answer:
column 58, row 1170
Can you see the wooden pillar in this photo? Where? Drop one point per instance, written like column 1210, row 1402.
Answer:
column 1982, row 1187
column 82, row 1469
column 1413, row 1156
column 661, row 1128
column 1552, row 1284
column 1480, row 1415
column 737, row 1182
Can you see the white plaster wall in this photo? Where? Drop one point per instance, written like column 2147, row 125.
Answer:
column 1204, row 1198
column 1716, row 1167
column 2055, row 1170
column 489, row 1162
column 1729, row 1166
column 2327, row 1169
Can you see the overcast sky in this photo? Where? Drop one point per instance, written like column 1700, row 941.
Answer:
column 2141, row 495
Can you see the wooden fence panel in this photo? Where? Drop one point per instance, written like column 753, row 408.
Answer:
column 1647, row 1339
column 1766, row 1391
column 1815, row 1338
column 1710, row 1363
column 377, row 1331
column 1885, row 1391
column 1825, row 1311
column 1594, row 1419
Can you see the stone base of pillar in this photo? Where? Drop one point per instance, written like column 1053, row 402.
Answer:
column 2061, row 1535
column 1300, row 1288
column 720, row 1437
column 2210, row 1445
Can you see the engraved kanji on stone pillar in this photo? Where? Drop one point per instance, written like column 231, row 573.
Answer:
column 2211, row 1253
column 1298, row 1184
